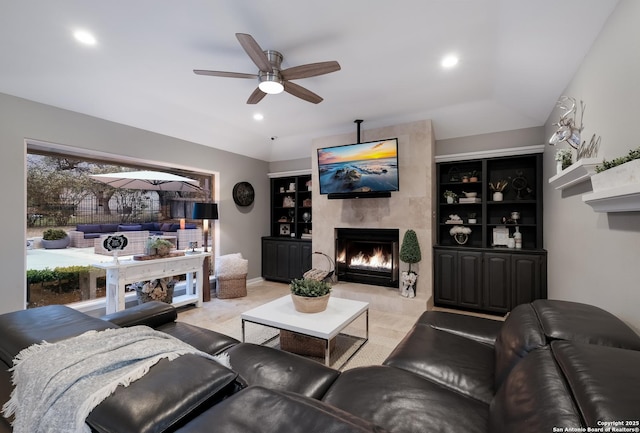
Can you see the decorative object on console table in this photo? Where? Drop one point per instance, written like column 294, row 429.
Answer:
column 205, row 212
column 160, row 289
column 409, row 253
column 115, row 243
column 310, row 296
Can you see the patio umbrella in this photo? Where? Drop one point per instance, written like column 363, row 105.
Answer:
column 148, row 181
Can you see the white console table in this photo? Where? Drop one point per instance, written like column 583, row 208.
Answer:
column 130, row 271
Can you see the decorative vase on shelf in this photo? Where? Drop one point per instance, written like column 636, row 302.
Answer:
column 497, row 196
column 558, row 167
column 461, row 238
column 450, row 200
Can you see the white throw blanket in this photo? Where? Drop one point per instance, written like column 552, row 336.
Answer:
column 58, row 384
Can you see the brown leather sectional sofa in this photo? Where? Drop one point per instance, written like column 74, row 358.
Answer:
column 551, row 364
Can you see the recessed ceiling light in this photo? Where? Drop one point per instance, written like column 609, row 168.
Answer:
column 258, row 116
column 449, row 61
column 84, row 37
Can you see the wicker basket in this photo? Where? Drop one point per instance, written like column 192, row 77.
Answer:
column 232, row 286
column 304, row 345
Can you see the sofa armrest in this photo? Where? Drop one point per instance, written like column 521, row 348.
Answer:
column 77, row 239
column 152, row 314
column 480, row 329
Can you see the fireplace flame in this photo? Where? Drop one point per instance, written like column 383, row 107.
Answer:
column 378, row 261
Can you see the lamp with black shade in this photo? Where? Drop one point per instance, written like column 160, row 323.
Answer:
column 205, row 212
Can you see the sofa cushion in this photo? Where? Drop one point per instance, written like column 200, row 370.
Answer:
column 275, row 369
column 400, row 401
column 453, row 361
column 202, row 339
column 519, row 335
column 21, row 329
column 534, row 398
column 565, row 320
column 165, row 227
column 92, row 235
column 150, row 405
column 258, row 409
column 89, row 228
column 129, row 227
column 108, row 228
column 191, row 226
column 152, row 314
column 149, row 226
column 604, row 381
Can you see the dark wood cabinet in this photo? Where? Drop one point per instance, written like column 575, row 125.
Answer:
column 479, row 271
column 493, row 282
column 285, row 259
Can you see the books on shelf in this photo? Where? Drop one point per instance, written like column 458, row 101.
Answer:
column 459, row 221
column 469, row 200
column 305, row 236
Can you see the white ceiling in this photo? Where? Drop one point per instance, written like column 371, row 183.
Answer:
column 516, row 57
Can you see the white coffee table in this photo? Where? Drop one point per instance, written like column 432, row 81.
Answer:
column 326, row 325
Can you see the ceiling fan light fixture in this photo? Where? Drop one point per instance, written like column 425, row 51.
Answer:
column 271, row 83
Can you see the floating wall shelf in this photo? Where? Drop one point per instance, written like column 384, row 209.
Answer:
column 616, row 189
column 576, row 173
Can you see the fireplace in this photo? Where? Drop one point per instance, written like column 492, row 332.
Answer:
column 369, row 256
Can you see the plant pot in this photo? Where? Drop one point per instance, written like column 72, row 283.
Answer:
column 472, row 221
column 497, row 196
column 450, row 200
column 303, row 304
column 621, row 175
column 56, row 244
column 163, row 251
column 473, row 179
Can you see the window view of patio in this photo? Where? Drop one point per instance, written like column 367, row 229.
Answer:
column 73, row 205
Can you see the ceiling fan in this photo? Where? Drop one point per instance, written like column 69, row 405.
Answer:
column 272, row 79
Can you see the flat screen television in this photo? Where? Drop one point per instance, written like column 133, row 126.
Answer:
column 359, row 170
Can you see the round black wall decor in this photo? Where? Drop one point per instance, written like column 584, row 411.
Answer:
column 243, row 193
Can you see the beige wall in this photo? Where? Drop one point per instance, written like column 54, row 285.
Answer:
column 409, row 208
column 240, row 228
column 595, row 257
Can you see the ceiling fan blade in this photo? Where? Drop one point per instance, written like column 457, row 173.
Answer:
column 224, row 74
column 256, row 96
column 255, row 52
column 310, row 70
column 301, row 92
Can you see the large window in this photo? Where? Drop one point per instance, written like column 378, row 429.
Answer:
column 62, row 194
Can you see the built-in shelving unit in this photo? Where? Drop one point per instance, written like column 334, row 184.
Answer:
column 286, row 253
column 481, row 273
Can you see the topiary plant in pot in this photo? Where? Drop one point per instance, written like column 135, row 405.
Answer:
column 310, row 296
column 55, row 239
column 409, row 253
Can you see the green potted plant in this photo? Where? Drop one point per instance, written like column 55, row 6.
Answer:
column 158, row 246
column 310, row 296
column 409, row 253
column 473, row 176
column 450, row 196
column 55, row 239
column 471, row 216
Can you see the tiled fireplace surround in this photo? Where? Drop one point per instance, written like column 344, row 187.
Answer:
column 411, row 207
